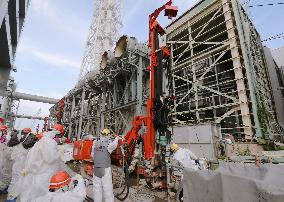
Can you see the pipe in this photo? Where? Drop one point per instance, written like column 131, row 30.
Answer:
column 36, row 98
column 29, row 117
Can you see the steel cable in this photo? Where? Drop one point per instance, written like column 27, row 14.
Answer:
column 278, row 36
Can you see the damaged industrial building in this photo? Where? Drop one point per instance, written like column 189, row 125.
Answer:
column 195, row 113
column 218, row 74
column 219, row 81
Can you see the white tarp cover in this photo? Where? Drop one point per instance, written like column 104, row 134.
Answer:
column 235, row 182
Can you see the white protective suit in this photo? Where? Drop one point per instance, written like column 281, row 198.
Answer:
column 77, row 194
column 5, row 165
column 18, row 156
column 66, row 152
column 186, row 158
column 43, row 160
column 102, row 187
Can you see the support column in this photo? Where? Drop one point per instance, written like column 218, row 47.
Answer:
column 173, row 81
column 98, row 120
column 194, row 78
column 133, row 87
column 103, row 107
column 244, row 46
column 79, row 135
column 241, row 88
column 115, row 89
column 126, row 90
column 71, row 116
column 5, row 108
column 4, row 77
column 139, row 87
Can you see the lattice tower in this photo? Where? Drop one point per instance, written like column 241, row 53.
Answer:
column 104, row 31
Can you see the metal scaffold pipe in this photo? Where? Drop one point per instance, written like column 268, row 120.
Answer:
column 36, row 98
column 29, row 117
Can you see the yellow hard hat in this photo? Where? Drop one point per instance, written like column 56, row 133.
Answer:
column 174, row 147
column 105, row 132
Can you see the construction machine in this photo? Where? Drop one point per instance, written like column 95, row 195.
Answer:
column 150, row 131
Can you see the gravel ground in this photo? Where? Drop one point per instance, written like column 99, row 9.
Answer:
column 145, row 195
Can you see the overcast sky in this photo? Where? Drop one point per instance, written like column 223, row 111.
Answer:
column 52, row 43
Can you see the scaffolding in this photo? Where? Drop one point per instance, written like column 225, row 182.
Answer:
column 219, row 73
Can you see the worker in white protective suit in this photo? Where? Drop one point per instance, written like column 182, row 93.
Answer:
column 5, row 160
column 20, row 144
column 102, row 179
column 63, row 188
column 43, row 160
column 185, row 157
